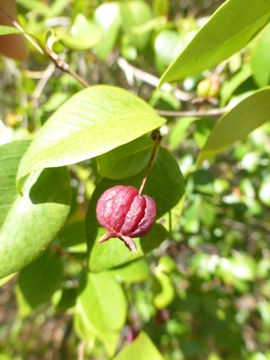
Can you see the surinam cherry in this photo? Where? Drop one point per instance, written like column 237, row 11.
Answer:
column 125, row 214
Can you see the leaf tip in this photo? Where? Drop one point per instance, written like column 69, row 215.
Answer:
column 199, row 160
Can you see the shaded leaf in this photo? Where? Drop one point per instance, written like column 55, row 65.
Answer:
column 72, row 237
column 126, row 160
column 40, row 279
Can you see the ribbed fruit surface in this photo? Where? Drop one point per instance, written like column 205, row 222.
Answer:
column 125, row 213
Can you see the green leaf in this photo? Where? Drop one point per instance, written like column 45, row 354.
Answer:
column 29, row 223
column 64, row 299
column 166, row 264
column 93, row 122
column 6, row 279
column 243, row 267
column 107, row 16
column 37, row 6
column 83, row 330
column 82, row 35
column 165, row 178
column 142, row 348
column 235, row 125
column 39, row 280
column 24, row 309
column 260, row 59
column 168, row 45
column 264, row 191
column 166, row 294
column 72, row 237
column 113, row 253
column 229, row 86
column 8, row 30
column 136, row 271
column 161, row 7
column 103, row 308
column 230, row 28
column 126, row 160
column 179, row 131
column 133, row 14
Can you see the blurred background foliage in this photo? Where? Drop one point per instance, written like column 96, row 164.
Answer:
column 205, row 292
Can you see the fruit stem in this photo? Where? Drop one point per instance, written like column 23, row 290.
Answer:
column 157, row 138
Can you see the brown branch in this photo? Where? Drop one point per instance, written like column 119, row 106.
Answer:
column 157, row 138
column 133, row 72
column 42, row 83
column 60, row 63
column 18, row 26
column 64, row 66
column 81, row 350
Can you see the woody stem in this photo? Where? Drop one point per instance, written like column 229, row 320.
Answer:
column 157, row 138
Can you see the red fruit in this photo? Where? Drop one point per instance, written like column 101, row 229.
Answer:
column 125, row 214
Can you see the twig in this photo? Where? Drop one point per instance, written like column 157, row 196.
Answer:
column 196, row 113
column 132, row 72
column 34, row 74
column 60, row 63
column 42, row 83
column 81, row 350
column 18, row 26
column 157, row 138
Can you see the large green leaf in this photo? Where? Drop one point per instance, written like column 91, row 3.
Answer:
column 142, row 348
column 165, row 178
column 39, row 280
column 133, row 14
column 249, row 114
column 30, row 222
column 93, row 122
column 103, row 308
column 126, row 160
column 230, row 28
